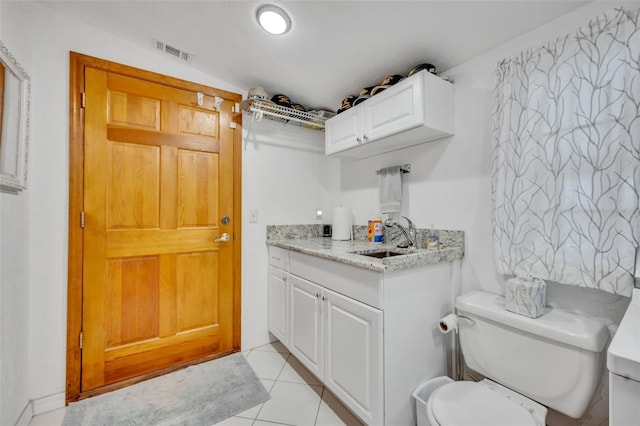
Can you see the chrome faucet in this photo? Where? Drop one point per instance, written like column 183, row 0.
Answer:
column 409, row 232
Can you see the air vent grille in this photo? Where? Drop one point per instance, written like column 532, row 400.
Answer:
column 172, row 50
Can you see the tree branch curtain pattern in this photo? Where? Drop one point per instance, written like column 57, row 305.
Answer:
column 566, row 157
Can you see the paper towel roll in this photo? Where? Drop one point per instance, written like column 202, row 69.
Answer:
column 448, row 324
column 341, row 229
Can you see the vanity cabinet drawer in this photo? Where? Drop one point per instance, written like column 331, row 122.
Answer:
column 279, row 258
column 359, row 284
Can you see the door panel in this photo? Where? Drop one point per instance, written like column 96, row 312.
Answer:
column 198, row 122
column 130, row 110
column 197, row 291
column 278, row 304
column 197, row 188
column 159, row 170
column 132, row 300
column 306, row 323
column 353, row 352
column 135, row 205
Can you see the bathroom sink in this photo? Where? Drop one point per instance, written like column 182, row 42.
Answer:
column 382, row 254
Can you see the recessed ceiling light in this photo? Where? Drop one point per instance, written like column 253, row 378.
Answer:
column 273, row 19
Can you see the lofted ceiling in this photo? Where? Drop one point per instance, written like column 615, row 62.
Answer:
column 334, row 48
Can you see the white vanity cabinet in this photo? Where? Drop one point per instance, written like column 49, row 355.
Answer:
column 418, row 109
column 340, row 341
column 370, row 337
column 306, row 341
column 353, row 355
column 278, row 294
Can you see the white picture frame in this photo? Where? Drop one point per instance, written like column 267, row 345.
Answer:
column 15, row 92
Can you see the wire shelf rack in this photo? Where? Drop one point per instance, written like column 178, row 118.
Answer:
column 264, row 109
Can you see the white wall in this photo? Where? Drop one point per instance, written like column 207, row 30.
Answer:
column 14, row 267
column 283, row 178
column 14, row 305
column 286, row 177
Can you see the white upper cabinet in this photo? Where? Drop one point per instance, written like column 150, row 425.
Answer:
column 343, row 131
column 418, row 109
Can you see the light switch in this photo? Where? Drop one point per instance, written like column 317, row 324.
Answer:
column 253, row 215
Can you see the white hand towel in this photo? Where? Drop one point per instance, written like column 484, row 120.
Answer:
column 390, row 189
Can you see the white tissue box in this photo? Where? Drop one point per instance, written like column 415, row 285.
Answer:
column 526, row 296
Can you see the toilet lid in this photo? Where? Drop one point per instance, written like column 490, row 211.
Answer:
column 468, row 403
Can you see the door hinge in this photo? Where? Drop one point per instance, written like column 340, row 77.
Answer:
column 83, row 99
column 236, row 108
column 232, row 125
column 81, row 339
column 81, row 219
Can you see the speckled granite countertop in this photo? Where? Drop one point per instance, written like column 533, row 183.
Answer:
column 306, row 239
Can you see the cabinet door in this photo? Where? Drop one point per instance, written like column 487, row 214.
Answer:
column 306, row 324
column 394, row 110
column 278, row 304
column 343, row 131
column 353, row 355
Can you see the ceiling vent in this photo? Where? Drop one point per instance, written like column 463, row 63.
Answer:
column 172, row 50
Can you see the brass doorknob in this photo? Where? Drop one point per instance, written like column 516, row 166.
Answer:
column 222, row 238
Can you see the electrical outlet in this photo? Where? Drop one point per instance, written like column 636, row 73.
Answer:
column 253, row 215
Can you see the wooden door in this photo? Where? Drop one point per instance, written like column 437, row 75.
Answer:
column 159, row 285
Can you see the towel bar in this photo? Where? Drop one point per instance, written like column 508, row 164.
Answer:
column 404, row 169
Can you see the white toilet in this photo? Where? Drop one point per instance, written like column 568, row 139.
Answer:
column 553, row 361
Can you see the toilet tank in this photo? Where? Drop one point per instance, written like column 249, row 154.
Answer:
column 555, row 359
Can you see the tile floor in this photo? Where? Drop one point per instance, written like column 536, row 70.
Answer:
column 297, row 397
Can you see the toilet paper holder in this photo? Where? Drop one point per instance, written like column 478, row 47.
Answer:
column 449, row 323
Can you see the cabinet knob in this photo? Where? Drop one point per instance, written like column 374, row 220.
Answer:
column 284, row 278
column 324, row 298
column 317, row 295
column 359, row 140
column 366, row 138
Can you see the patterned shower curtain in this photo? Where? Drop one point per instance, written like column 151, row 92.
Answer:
column 566, row 159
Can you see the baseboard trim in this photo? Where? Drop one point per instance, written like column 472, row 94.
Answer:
column 48, row 403
column 26, row 415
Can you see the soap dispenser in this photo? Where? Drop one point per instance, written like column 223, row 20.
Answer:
column 433, row 240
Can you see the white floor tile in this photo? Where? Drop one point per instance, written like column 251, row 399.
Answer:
column 267, row 365
column 52, row 418
column 295, row 372
column 333, row 413
column 251, row 413
column 276, row 346
column 236, row 421
column 292, row 403
column 268, row 384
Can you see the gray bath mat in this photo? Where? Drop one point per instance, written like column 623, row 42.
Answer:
column 202, row 394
